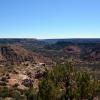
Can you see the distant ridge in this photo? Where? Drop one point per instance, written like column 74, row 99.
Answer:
column 45, row 41
column 75, row 40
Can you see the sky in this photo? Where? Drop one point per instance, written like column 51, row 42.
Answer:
column 44, row 19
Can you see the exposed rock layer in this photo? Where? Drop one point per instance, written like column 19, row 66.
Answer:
column 14, row 54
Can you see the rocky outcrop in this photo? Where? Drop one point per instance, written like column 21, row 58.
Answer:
column 92, row 54
column 14, row 54
column 72, row 49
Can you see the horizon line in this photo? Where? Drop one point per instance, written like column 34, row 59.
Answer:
column 48, row 38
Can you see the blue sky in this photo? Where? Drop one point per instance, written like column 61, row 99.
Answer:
column 49, row 18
